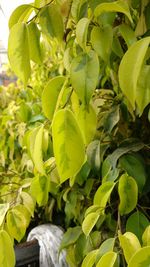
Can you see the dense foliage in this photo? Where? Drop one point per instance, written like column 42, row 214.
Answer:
column 74, row 147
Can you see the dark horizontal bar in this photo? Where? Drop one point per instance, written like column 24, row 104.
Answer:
column 27, row 253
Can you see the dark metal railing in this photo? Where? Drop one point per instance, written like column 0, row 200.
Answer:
column 27, row 254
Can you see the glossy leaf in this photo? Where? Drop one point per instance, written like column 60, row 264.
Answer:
column 102, row 194
column 39, row 189
column 128, row 34
column 37, row 151
column 70, row 236
column 130, row 69
column 143, row 89
column 130, row 244
column 117, row 6
column 107, row 260
column 68, row 144
column 140, row 258
column 51, row 21
column 137, row 223
column 18, row 51
column 82, row 32
column 146, row 236
column 87, row 122
column 101, row 39
column 50, row 95
column 84, row 75
column 7, row 255
column 133, row 164
column 35, row 46
column 93, row 155
column 3, row 210
column 28, row 202
column 128, row 194
column 79, row 9
column 89, row 260
column 17, row 221
column 89, row 222
column 20, row 14
column 105, row 247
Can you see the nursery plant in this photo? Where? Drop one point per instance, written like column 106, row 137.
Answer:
column 74, row 146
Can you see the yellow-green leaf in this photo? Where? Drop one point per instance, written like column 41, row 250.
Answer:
column 89, row 260
column 28, row 202
column 146, row 236
column 20, row 14
column 39, row 189
column 50, row 95
column 3, row 210
column 130, row 244
column 87, row 121
column 101, row 39
column 82, row 32
column 120, row 6
column 17, row 221
column 37, row 151
column 143, row 89
column 68, row 144
column 18, row 51
column 89, row 222
column 84, row 75
column 51, row 21
column 141, row 258
column 107, row 260
column 128, row 193
column 7, row 255
column 102, row 194
column 130, row 69
column 34, row 43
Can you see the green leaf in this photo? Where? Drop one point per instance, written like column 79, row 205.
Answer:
column 51, row 21
column 93, row 155
column 146, row 236
column 93, row 209
column 89, row 222
column 3, row 210
column 102, row 194
column 70, row 236
column 128, row 194
column 118, row 6
column 133, row 164
column 50, row 95
column 105, row 247
column 84, row 75
column 18, row 51
column 28, row 202
column 30, row 140
column 143, row 89
column 17, row 221
column 107, row 260
column 87, row 121
column 130, row 244
column 137, row 223
column 34, row 46
column 79, row 9
column 82, row 32
column 128, row 34
column 20, row 14
column 112, row 119
column 140, row 258
column 39, row 189
column 7, row 255
column 68, row 144
column 101, row 39
column 37, row 151
column 89, row 260
column 130, row 69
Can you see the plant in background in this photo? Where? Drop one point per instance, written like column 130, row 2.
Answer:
column 90, row 148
